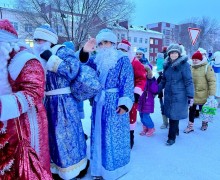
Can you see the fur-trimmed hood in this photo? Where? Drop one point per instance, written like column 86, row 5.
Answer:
column 177, row 63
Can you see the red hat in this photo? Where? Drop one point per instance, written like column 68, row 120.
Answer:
column 164, row 49
column 124, row 44
column 197, row 55
column 7, row 31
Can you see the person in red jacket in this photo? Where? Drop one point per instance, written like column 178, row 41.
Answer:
column 139, row 84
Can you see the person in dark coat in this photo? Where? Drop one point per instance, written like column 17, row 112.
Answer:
column 179, row 90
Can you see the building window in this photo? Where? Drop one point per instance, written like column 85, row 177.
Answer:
column 135, row 39
column 167, row 32
column 156, row 42
column 28, row 28
column 156, row 50
column 151, row 41
column 151, row 50
column 146, row 41
column 151, row 58
column 140, row 40
column 15, row 24
column 129, row 39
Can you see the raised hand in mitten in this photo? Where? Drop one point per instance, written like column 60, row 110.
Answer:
column 46, row 55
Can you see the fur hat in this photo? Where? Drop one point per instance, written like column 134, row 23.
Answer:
column 197, row 55
column 202, row 51
column 140, row 50
column 70, row 45
column 125, row 45
column 7, row 31
column 174, row 48
column 106, row 35
column 45, row 32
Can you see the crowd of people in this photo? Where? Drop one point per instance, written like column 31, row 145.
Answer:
column 41, row 133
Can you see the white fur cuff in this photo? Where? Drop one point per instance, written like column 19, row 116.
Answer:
column 53, row 63
column 138, row 90
column 125, row 101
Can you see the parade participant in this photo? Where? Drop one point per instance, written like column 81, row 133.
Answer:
column 66, row 136
column 22, row 114
column 139, row 84
column 178, row 89
column 140, row 55
column 110, row 141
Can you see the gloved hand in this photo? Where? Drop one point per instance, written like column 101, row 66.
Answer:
column 46, row 55
column 136, row 97
column 190, row 101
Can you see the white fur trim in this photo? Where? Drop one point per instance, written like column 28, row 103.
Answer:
column 106, row 36
column 41, row 33
column 132, row 126
column 54, row 49
column 138, row 90
column 124, row 46
column 9, row 104
column 18, row 62
column 125, row 101
column 5, row 36
column 23, row 101
column 53, row 63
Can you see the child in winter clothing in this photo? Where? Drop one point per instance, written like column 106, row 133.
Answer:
column 160, row 61
column 146, row 103
column 204, row 83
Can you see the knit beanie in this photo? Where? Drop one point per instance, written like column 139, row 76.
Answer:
column 197, row 55
column 125, row 45
column 106, row 35
column 45, row 32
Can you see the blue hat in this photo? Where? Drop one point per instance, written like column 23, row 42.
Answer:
column 140, row 50
column 45, row 32
column 70, row 45
column 106, row 35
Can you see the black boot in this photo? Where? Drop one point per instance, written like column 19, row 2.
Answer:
column 132, row 138
column 84, row 171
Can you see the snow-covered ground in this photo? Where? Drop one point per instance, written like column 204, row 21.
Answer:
column 194, row 156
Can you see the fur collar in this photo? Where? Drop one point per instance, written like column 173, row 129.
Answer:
column 177, row 63
column 201, row 63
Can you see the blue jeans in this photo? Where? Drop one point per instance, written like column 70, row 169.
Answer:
column 146, row 120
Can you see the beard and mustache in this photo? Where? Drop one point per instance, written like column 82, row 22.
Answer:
column 106, row 59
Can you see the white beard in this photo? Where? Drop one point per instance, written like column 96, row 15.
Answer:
column 5, row 49
column 106, row 59
column 40, row 48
